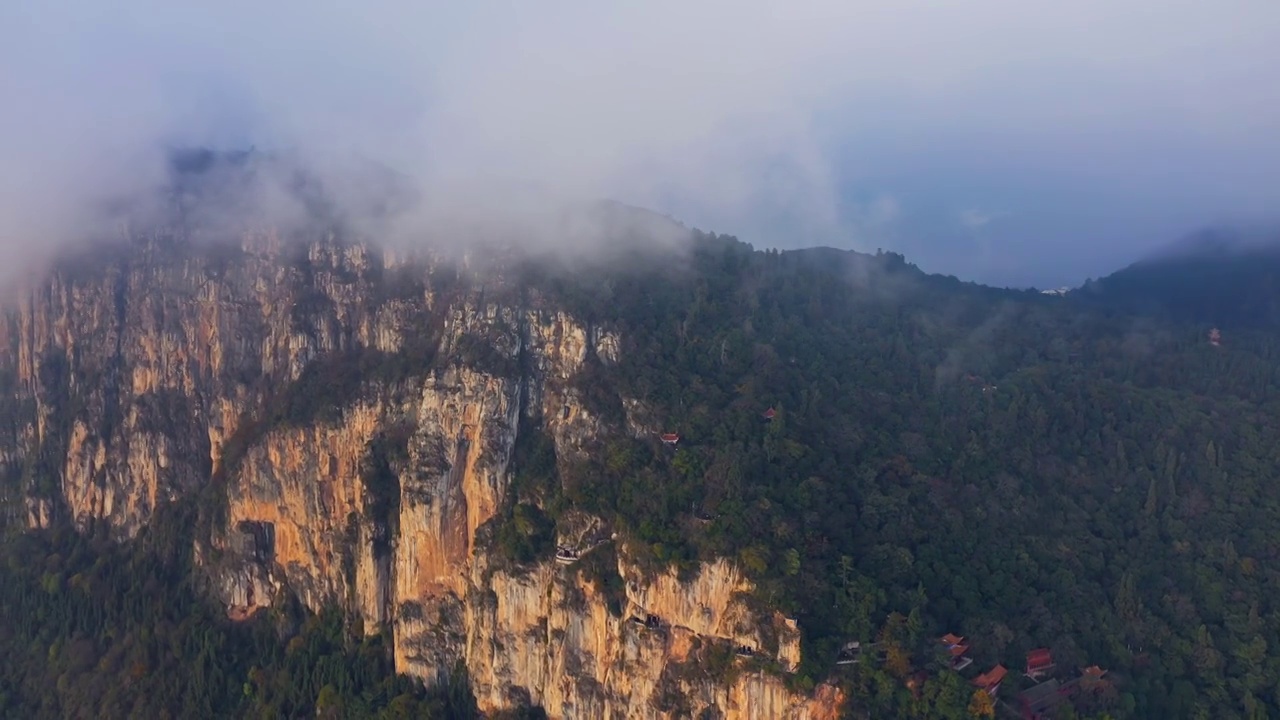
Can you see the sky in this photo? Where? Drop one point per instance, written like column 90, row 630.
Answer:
column 1014, row 142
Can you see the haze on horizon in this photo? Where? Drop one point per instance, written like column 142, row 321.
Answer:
column 1007, row 142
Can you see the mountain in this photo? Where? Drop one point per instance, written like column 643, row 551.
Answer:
column 259, row 475
column 1222, row 277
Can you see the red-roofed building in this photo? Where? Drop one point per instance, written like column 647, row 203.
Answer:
column 670, row 438
column 1039, row 663
column 990, row 680
column 1093, row 671
column 770, row 414
column 956, row 647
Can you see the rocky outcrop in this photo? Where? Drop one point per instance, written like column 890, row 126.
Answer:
column 354, row 417
column 547, row 637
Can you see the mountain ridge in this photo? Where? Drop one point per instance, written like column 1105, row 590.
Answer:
column 1218, row 277
column 409, row 440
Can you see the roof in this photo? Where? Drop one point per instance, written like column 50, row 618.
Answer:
column 951, row 639
column 992, row 677
column 670, row 437
column 1094, row 671
column 1041, row 696
column 959, row 649
column 1039, row 658
column 770, row 413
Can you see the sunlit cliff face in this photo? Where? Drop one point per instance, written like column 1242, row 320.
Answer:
column 152, row 376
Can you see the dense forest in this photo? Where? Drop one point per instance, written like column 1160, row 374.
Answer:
column 95, row 628
column 1076, row 473
column 1023, row 470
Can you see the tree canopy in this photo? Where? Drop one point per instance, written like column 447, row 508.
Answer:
column 1025, row 470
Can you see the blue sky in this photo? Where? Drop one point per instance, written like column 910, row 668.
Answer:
column 1007, row 141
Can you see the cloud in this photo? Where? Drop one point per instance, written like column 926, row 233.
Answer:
column 974, row 219
column 883, row 210
column 972, row 353
column 746, row 117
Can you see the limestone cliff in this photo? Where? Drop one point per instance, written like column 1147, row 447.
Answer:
column 353, row 417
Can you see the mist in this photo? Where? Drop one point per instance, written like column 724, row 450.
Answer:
column 1014, row 143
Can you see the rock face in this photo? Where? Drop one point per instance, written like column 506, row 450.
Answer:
column 353, row 418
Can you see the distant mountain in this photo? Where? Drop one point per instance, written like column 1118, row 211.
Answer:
column 1221, row 241
column 1223, row 277
column 252, row 184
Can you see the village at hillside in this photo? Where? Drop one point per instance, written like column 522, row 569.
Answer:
column 1038, row 690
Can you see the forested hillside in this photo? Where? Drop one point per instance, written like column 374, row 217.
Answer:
column 890, row 456
column 1216, row 277
column 95, row 628
column 1022, row 470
